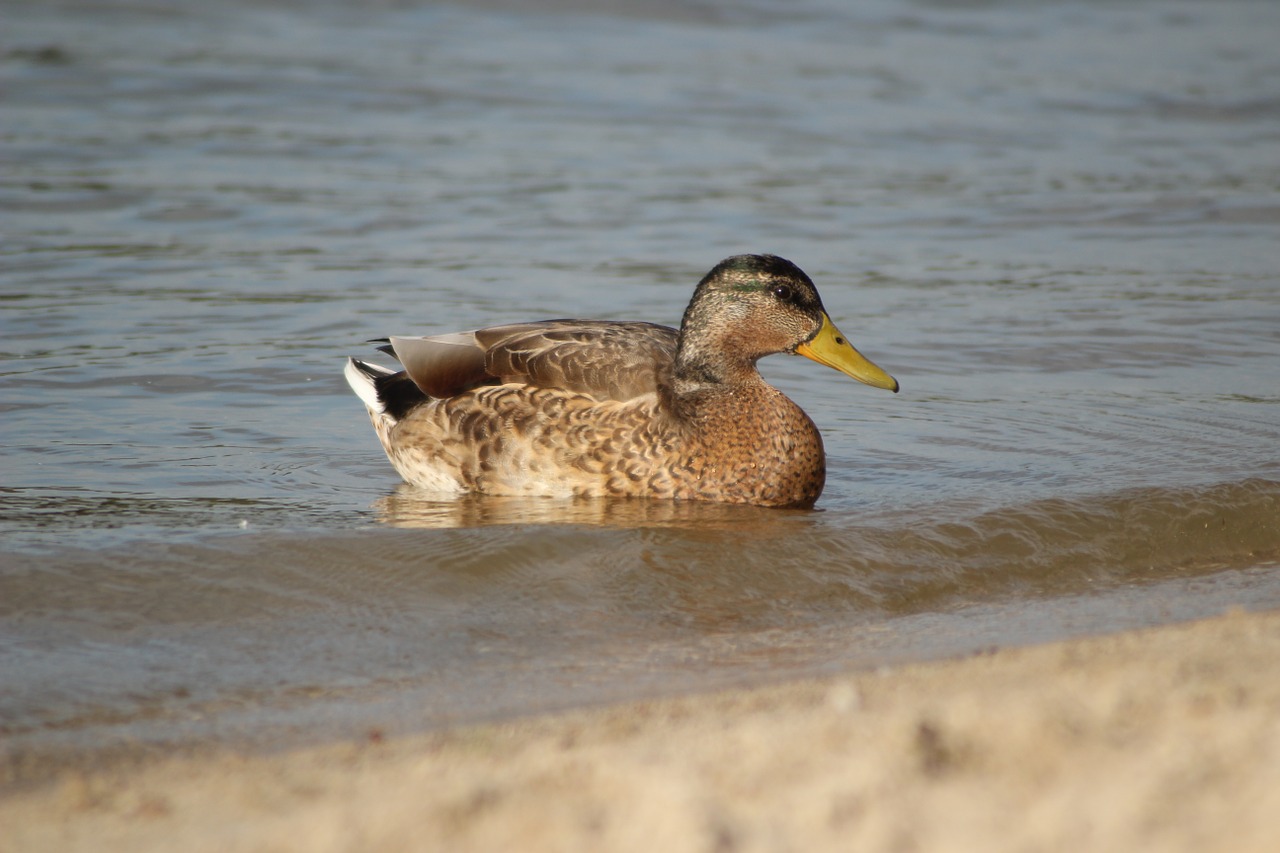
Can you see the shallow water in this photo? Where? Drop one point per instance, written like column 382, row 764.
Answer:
column 1055, row 224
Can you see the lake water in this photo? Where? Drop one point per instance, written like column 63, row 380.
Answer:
column 1056, row 223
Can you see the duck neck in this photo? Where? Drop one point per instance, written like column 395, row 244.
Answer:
column 699, row 368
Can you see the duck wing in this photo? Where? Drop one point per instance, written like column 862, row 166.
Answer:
column 608, row 360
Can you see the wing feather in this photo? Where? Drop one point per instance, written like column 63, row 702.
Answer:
column 608, row 360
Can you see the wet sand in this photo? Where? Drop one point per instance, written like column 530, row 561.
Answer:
column 1164, row 739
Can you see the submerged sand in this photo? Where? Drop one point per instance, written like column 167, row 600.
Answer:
column 1165, row 739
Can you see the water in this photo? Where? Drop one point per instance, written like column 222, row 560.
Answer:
column 1055, row 223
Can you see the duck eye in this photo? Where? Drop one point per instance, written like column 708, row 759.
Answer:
column 783, row 292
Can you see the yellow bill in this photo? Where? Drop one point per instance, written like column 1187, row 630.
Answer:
column 833, row 349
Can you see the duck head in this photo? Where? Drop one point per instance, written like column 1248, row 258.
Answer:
column 750, row 306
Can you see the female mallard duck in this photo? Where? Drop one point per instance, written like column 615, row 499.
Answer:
column 591, row 408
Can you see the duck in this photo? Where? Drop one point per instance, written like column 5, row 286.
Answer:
column 612, row 408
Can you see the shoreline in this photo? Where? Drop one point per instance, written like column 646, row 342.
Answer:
column 1165, row 738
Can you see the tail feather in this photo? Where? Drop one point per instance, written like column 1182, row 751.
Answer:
column 383, row 391
column 362, row 377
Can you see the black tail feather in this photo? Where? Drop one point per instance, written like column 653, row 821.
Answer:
column 398, row 394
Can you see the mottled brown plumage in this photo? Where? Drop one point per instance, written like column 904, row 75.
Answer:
column 595, row 408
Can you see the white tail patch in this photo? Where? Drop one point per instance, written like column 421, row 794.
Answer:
column 359, row 378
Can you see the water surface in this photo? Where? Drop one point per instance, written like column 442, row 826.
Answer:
column 1055, row 224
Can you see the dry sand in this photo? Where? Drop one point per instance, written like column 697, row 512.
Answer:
column 1167, row 739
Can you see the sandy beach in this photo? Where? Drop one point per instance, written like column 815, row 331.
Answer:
column 1165, row 739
